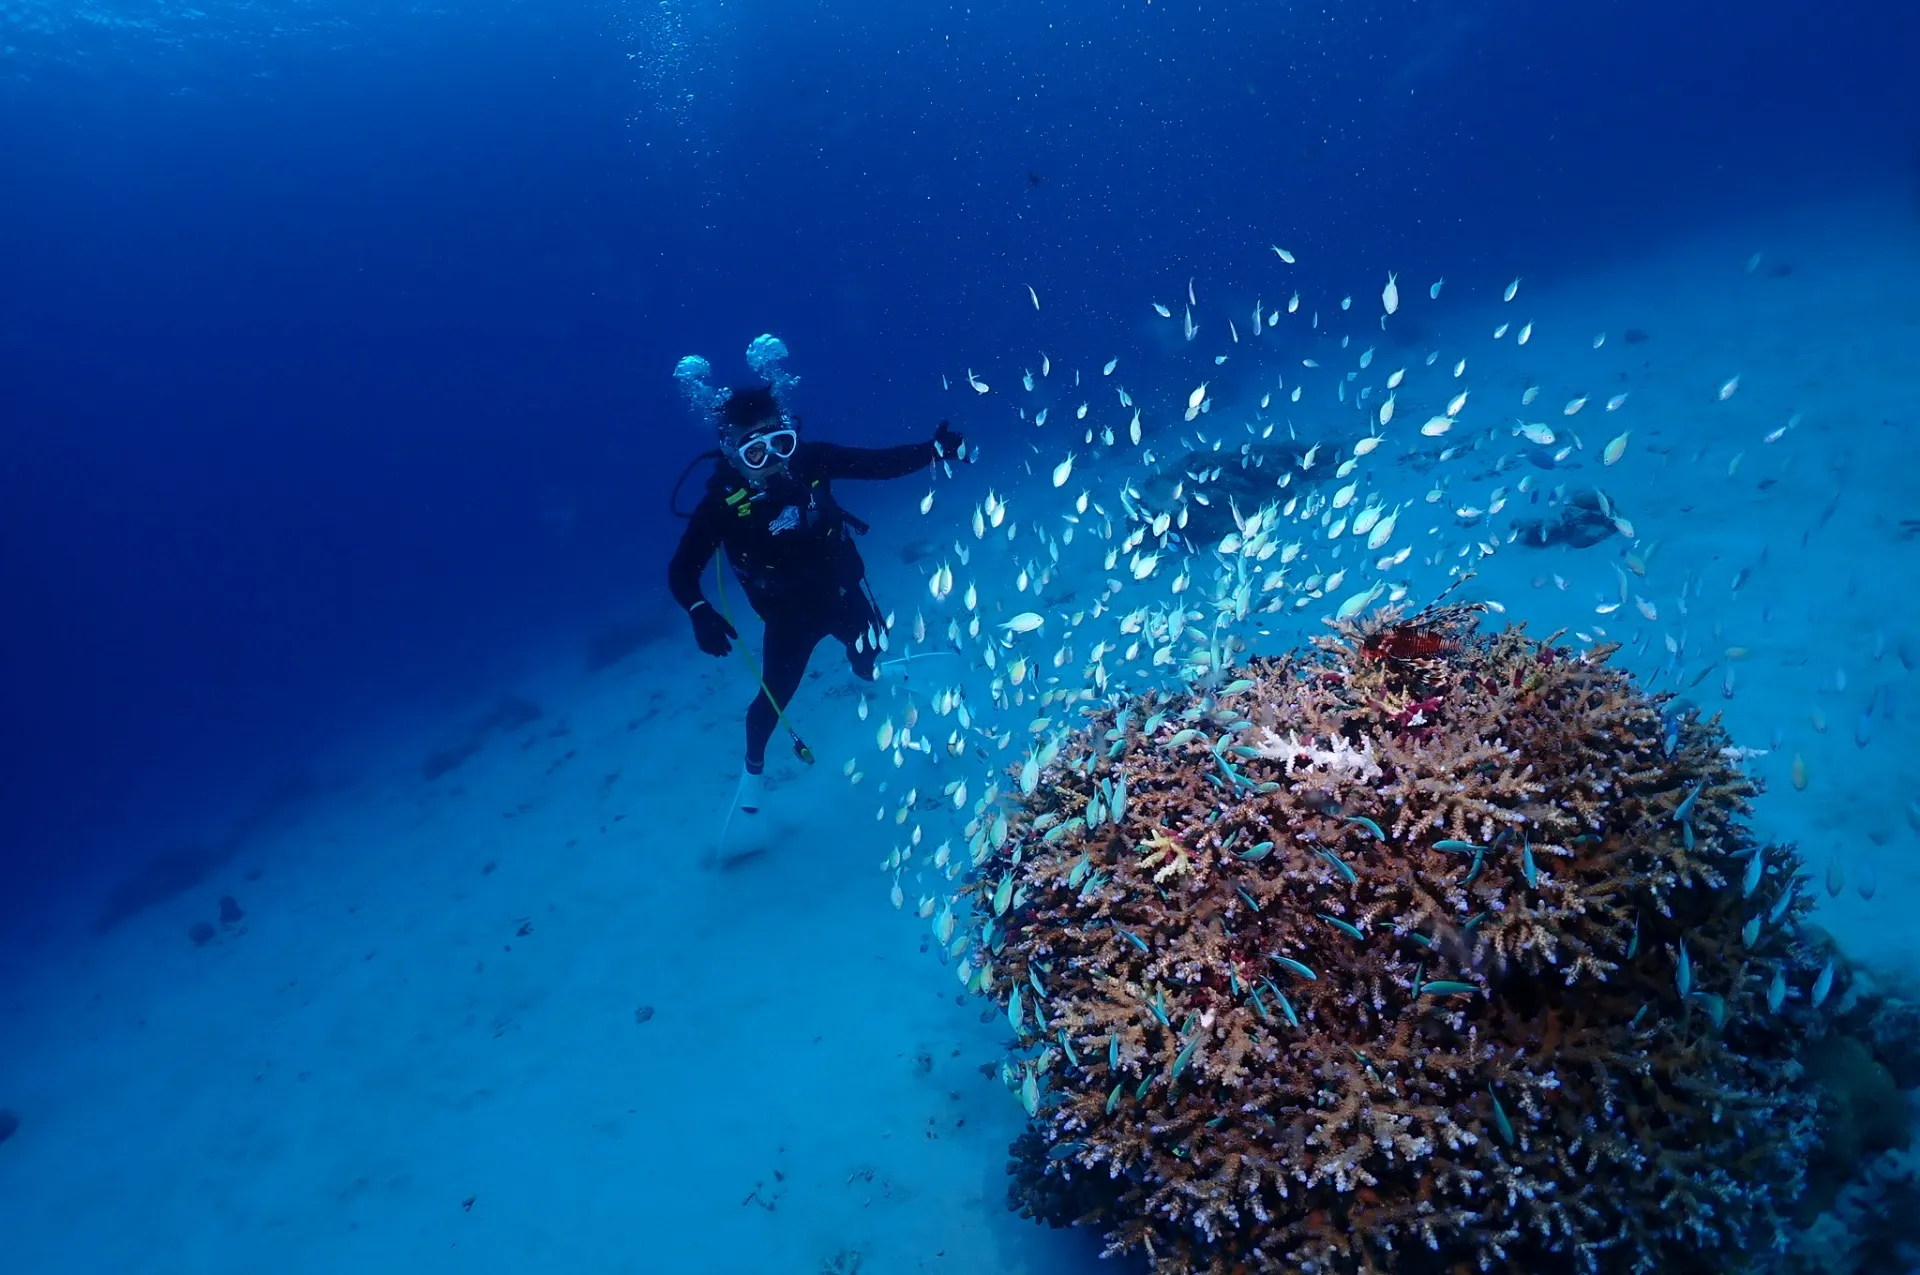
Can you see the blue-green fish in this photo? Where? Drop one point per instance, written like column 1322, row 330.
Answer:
column 1447, row 987
column 1823, row 984
column 1716, row 1007
column 1339, row 863
column 1185, row 1057
column 1500, row 1117
column 1451, row 846
column 1347, row 928
column 1238, row 779
column 1003, row 895
column 1255, row 853
column 1684, row 811
column 1473, row 873
column 1016, row 1011
column 1368, row 824
column 1286, row 1006
column 1756, row 868
column 1683, row 972
column 1527, row 870
column 1289, row 963
column 1776, row 993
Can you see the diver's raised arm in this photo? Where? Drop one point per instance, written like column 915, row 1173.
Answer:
column 832, row 460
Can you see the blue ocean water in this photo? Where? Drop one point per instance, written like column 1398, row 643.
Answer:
column 336, row 409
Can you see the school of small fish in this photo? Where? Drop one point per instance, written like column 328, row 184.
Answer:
column 1210, row 518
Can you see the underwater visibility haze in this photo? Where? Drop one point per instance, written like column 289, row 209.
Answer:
column 707, row 635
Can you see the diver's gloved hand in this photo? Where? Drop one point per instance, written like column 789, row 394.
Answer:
column 711, row 630
column 947, row 442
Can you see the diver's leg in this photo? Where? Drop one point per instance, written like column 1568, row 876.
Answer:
column 857, row 623
column 783, row 662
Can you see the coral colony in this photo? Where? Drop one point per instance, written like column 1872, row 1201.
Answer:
column 1427, row 950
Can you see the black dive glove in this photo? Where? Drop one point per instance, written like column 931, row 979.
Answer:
column 711, row 630
column 947, row 442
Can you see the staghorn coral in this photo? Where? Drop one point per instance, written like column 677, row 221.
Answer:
column 1425, row 951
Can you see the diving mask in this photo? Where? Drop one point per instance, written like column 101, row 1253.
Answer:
column 761, row 450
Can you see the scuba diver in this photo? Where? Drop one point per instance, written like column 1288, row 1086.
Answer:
column 769, row 508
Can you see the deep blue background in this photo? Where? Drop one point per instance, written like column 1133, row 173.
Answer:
column 334, row 367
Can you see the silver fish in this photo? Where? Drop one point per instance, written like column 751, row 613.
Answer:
column 1823, row 984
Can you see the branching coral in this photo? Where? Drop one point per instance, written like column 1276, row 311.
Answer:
column 1425, row 951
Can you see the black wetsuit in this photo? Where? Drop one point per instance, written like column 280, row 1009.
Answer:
column 791, row 548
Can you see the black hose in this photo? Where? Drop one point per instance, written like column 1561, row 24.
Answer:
column 673, row 499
